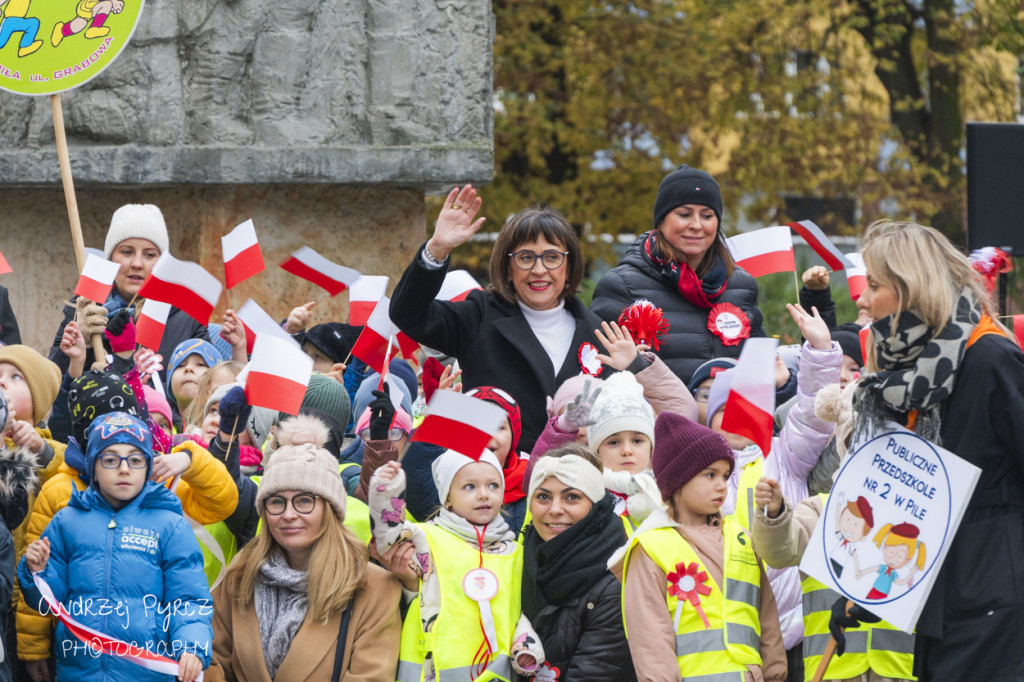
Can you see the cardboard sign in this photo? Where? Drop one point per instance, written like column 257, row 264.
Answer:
column 49, row 47
column 888, row 524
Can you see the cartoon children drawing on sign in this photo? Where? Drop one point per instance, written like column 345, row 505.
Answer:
column 13, row 20
column 854, row 521
column 899, row 544
column 91, row 13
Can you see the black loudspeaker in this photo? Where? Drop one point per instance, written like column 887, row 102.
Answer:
column 995, row 186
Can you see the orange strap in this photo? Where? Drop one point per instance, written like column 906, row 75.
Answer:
column 985, row 326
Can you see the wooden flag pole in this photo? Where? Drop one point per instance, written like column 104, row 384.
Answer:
column 72, row 202
column 830, row 650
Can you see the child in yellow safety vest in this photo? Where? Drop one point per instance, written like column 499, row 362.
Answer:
column 461, row 571
column 696, row 601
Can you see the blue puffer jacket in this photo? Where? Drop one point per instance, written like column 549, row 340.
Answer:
column 135, row 574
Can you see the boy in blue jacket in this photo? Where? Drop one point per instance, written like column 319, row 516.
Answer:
column 123, row 560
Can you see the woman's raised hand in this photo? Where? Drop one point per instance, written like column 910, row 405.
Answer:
column 456, row 223
column 811, row 326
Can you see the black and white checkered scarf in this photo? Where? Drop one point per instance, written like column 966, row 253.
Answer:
column 917, row 368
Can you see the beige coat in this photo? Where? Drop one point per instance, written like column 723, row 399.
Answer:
column 371, row 648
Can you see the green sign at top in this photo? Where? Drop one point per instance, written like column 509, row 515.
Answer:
column 49, row 46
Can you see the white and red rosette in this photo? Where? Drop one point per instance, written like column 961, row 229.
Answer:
column 728, row 323
column 687, row 583
column 589, row 362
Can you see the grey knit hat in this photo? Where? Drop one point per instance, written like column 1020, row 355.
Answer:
column 261, row 419
column 136, row 221
column 620, row 407
column 304, row 468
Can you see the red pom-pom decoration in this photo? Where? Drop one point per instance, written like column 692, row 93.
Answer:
column 990, row 262
column 645, row 323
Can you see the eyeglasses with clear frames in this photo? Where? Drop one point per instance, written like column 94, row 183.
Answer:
column 550, row 259
column 114, row 461
column 302, row 503
column 701, row 394
column 394, row 435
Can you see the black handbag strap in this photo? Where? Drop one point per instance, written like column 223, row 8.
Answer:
column 339, row 651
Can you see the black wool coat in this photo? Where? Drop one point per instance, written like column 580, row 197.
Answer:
column 492, row 341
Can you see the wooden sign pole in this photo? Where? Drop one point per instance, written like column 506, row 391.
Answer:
column 72, row 202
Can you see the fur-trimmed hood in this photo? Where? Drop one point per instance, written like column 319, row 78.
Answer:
column 19, row 480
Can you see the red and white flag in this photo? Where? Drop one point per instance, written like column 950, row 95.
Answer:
column 149, row 330
column 764, row 251
column 865, row 338
column 750, row 407
column 821, row 244
column 856, row 275
column 460, row 422
column 1018, row 329
column 5, row 266
column 97, row 279
column 256, row 321
column 184, row 285
column 363, row 296
column 312, row 267
column 242, row 255
column 278, row 375
column 457, row 285
column 372, row 345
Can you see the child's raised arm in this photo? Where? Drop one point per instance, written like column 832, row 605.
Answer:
column 391, row 524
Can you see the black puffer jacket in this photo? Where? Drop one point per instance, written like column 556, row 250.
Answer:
column 689, row 343
column 583, row 637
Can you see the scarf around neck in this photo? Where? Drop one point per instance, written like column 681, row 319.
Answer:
column 570, row 563
column 917, row 368
column 494, row 532
column 281, row 602
column 699, row 292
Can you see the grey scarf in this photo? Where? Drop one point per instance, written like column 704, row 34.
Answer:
column 282, row 600
column 496, row 531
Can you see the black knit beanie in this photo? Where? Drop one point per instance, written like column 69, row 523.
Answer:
column 687, row 185
column 683, row 449
column 94, row 394
column 848, row 337
column 333, row 339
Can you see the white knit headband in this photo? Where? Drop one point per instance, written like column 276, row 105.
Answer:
column 573, row 471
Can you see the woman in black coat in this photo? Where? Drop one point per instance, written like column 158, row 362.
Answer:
column 573, row 601
column 684, row 267
column 525, row 334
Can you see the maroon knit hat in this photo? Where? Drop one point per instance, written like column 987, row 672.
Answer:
column 683, row 449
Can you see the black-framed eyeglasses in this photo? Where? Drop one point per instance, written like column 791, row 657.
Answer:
column 551, row 259
column 303, row 503
column 701, row 394
column 394, row 435
column 114, row 461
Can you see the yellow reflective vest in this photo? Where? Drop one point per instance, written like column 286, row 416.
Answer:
column 883, row 648
column 722, row 650
column 749, row 477
column 455, row 636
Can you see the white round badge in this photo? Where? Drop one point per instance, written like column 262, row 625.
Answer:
column 480, row 585
column 728, row 325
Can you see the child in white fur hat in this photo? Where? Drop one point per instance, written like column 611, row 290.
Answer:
column 462, row 572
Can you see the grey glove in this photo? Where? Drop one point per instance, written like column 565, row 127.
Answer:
column 577, row 412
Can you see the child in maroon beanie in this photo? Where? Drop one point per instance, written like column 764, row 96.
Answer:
column 696, row 600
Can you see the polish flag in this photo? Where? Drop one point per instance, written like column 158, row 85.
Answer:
column 183, row 284
column 459, row 422
column 457, row 285
column 278, row 375
column 372, row 345
column 856, row 275
column 256, row 321
column 763, row 251
column 821, row 244
column 97, row 279
column 149, row 330
column 5, row 266
column 750, row 407
column 865, row 338
column 363, row 296
column 408, row 346
column 242, row 255
column 312, row 267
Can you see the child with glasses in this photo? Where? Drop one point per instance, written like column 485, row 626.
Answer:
column 122, row 560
